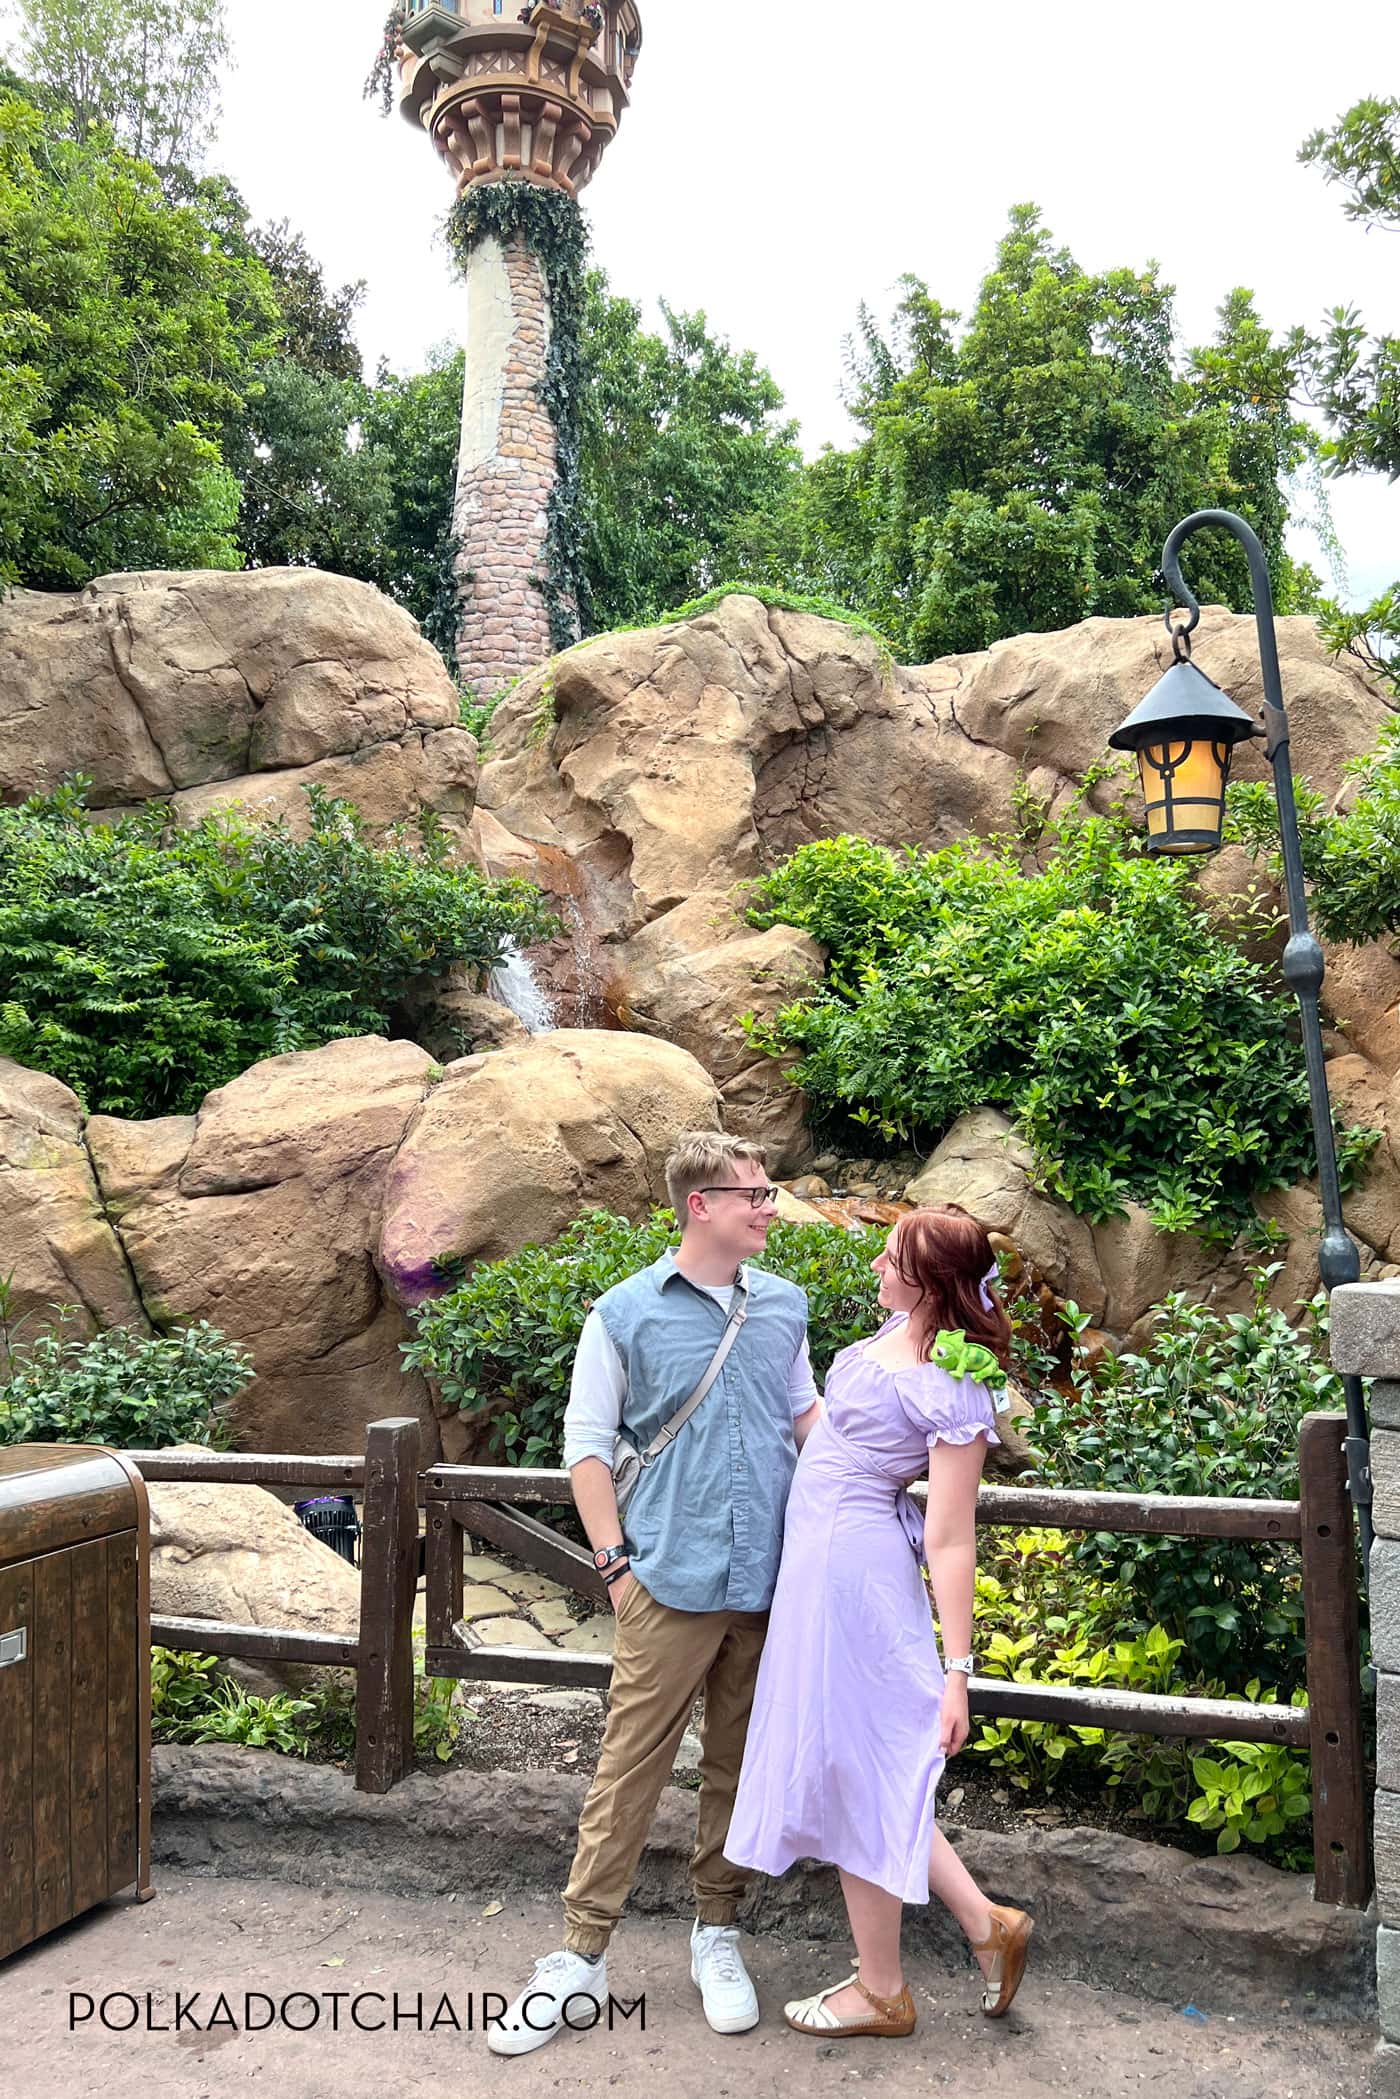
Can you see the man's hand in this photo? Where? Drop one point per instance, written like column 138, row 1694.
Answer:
column 954, row 1726
column 618, row 1589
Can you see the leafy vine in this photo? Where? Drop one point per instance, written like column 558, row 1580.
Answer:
column 552, row 228
column 380, row 85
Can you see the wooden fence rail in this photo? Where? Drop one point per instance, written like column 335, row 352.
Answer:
column 484, row 1503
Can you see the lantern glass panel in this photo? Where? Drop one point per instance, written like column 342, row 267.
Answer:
column 1183, row 785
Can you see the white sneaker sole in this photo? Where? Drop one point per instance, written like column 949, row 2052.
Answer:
column 738, row 2022
column 523, row 2043
column 529, row 2038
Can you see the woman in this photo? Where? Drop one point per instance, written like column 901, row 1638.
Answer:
column 853, row 1718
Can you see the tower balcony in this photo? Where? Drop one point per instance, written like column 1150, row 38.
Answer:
column 533, row 91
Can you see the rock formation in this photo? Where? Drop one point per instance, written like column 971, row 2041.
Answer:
column 206, row 688
column 684, row 758
column 313, row 1199
column 642, row 779
column 241, row 1555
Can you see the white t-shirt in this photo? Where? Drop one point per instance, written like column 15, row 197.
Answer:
column 599, row 1386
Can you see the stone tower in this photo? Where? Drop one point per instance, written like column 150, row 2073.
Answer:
column 513, row 94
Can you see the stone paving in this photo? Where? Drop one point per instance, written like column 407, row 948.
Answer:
column 507, row 1605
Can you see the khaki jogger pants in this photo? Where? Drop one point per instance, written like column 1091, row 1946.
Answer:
column 662, row 1661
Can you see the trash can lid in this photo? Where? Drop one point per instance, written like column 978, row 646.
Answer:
column 57, row 1494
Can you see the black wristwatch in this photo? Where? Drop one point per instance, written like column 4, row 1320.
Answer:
column 605, row 1556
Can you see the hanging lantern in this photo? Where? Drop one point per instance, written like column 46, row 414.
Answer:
column 1184, row 734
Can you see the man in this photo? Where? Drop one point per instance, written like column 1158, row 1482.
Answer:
column 691, row 1572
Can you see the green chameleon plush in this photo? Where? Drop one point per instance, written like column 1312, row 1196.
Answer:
column 961, row 1358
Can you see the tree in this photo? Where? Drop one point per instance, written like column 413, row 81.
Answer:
column 127, row 339
column 680, row 440
column 412, row 427
column 1353, row 380
column 1023, row 473
column 146, row 69
column 311, row 494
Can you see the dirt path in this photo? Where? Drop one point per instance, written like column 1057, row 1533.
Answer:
column 1063, row 2041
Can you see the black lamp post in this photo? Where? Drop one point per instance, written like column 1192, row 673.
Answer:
column 1184, row 733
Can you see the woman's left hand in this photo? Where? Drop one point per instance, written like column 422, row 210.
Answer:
column 953, row 1726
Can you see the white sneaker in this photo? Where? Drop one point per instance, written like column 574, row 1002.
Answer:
column 717, row 1968
column 540, row 2010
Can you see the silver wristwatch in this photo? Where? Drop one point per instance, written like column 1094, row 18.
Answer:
column 963, row 1663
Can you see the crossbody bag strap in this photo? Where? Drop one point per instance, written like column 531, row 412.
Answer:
column 738, row 1313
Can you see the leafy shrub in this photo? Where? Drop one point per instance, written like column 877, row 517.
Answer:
column 131, row 1391
column 1142, row 1055
column 500, row 1346
column 1213, row 1408
column 1352, row 860
column 193, row 1701
column 144, row 966
column 235, row 1715
column 182, row 1687
column 1255, row 1793
column 1044, row 1616
column 475, row 714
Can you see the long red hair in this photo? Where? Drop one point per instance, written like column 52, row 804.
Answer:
column 944, row 1254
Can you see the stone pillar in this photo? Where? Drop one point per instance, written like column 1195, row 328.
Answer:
column 505, row 471
column 1365, row 1341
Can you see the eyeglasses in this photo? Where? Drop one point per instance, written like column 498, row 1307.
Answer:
column 754, row 1197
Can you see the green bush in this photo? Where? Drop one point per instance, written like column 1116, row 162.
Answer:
column 1142, row 1055
column 1351, row 859
column 1043, row 1615
column 475, row 714
column 193, row 1701
column 499, row 1347
column 1214, row 1407
column 144, row 965
column 132, row 1391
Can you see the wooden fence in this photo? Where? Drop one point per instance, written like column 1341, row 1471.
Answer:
column 484, row 1502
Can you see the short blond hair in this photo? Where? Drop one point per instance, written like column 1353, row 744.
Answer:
column 706, row 1159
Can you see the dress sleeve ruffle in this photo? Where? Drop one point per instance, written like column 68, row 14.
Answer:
column 945, row 1409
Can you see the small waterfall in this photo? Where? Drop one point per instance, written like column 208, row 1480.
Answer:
column 513, row 983
column 589, row 998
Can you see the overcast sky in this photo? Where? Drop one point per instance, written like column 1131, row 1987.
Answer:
column 776, row 180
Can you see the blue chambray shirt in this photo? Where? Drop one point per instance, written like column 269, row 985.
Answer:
column 704, row 1526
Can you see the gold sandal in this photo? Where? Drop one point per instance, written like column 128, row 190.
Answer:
column 1008, row 1939
column 895, row 2016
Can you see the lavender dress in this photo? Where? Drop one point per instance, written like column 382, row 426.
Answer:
column 842, row 1760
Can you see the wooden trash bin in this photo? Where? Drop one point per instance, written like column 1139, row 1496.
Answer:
column 75, row 1685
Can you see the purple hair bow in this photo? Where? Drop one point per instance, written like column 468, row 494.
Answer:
column 989, row 1277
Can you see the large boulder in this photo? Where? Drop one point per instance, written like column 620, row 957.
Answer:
column 1117, row 1271
column 389, row 783
column 510, row 1147
column 262, row 1215
column 1361, row 996
column 57, row 1246
column 1140, row 1265
column 985, row 1166
column 173, row 684
column 239, row 1554
column 690, row 976
column 1052, row 700
column 1368, row 1095
column 681, row 758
